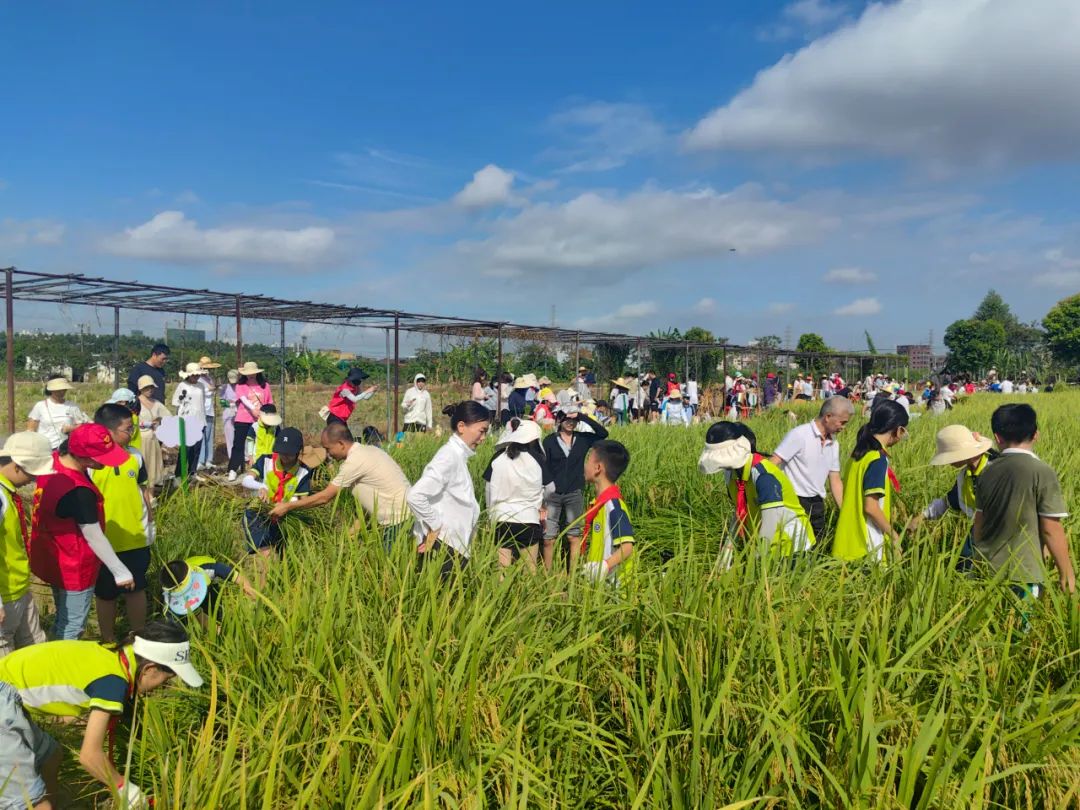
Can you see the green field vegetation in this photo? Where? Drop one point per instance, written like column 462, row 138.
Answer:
column 355, row 682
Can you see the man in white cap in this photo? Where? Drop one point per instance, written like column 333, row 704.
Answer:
column 23, row 458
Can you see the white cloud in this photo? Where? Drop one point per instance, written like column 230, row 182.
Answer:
column 804, row 18
column 599, row 136
column 170, row 236
column 706, row 306
column 609, row 234
column 187, row 197
column 850, row 275
column 860, row 306
column 1064, row 270
column 25, row 232
column 943, row 82
column 780, row 308
column 489, row 186
column 619, row 319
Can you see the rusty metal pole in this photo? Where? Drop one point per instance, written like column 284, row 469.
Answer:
column 397, row 368
column 116, row 348
column 9, row 302
column 498, row 379
column 239, row 336
column 282, row 405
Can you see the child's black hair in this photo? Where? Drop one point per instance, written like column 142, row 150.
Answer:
column 1015, row 424
column 162, row 631
column 467, row 412
column 269, row 407
column 111, row 414
column 613, row 457
column 727, row 431
column 884, row 418
column 173, row 573
column 371, row 435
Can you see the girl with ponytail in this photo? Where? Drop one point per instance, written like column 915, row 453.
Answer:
column 865, row 520
column 443, row 500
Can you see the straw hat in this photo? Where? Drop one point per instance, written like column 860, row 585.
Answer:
column 59, row 384
column 730, row 455
column 520, row 382
column 675, row 395
column 527, row 431
column 249, row 368
column 531, row 381
column 31, row 451
column 146, row 381
column 191, row 370
column 621, row 382
column 957, row 443
column 544, row 381
column 270, row 419
column 206, row 362
column 311, row 457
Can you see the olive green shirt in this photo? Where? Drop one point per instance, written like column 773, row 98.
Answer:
column 1013, row 492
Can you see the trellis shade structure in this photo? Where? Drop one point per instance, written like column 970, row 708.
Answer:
column 82, row 290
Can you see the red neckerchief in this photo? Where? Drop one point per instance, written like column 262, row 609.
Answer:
column 609, row 494
column 742, row 509
column 892, row 475
column 284, row 476
column 114, row 721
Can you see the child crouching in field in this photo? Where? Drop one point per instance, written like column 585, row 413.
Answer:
column 191, row 587
column 969, row 453
column 609, row 537
column 764, row 498
column 1019, row 508
column 276, row 478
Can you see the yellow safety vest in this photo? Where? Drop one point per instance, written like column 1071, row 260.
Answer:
column 126, row 518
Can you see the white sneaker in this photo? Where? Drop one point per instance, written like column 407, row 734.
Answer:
column 232, row 475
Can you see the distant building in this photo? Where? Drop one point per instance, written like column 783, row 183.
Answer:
column 339, row 355
column 919, row 355
column 183, row 337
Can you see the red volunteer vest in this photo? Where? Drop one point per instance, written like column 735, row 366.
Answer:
column 339, row 406
column 59, row 554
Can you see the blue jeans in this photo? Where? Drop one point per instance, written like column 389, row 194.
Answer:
column 72, row 610
column 206, row 452
column 24, row 750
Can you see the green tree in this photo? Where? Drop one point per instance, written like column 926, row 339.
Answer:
column 812, row 343
column 768, row 342
column 706, row 364
column 973, row 345
column 1062, row 324
column 870, row 347
column 1019, row 337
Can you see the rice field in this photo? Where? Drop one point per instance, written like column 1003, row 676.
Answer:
column 355, row 682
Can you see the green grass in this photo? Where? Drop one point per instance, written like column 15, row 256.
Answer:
column 358, row 683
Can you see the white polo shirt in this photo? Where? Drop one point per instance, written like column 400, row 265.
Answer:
column 807, row 461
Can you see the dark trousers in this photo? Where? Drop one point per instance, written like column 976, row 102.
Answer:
column 332, row 418
column 415, row 427
column 449, row 561
column 815, row 511
column 236, row 452
column 192, row 459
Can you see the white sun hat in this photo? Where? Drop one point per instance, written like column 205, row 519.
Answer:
column 527, row 431
column 730, row 455
column 176, row 657
column 191, row 370
column 958, row 443
column 31, row 451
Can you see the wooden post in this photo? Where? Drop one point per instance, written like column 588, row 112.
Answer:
column 9, row 302
column 397, row 369
column 116, row 349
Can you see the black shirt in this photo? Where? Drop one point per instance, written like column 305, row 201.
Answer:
column 517, row 404
column 568, row 471
column 145, row 369
column 79, row 505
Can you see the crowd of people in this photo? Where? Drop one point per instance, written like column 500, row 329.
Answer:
column 92, row 523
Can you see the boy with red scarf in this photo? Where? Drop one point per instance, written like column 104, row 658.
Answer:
column 277, row 478
column 608, row 547
column 67, row 539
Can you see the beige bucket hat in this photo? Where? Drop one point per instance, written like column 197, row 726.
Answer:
column 249, row 368
column 958, row 443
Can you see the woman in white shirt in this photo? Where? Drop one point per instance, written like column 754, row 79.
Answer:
column 54, row 417
column 417, row 406
column 189, row 399
column 516, row 478
column 442, row 500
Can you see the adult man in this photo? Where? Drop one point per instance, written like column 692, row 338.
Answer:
column 153, row 368
column 810, row 455
column 376, row 480
column 581, row 384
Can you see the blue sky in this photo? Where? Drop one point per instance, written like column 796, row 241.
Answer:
column 817, row 165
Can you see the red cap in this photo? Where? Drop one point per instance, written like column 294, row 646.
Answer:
column 671, row 375
column 95, row 441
